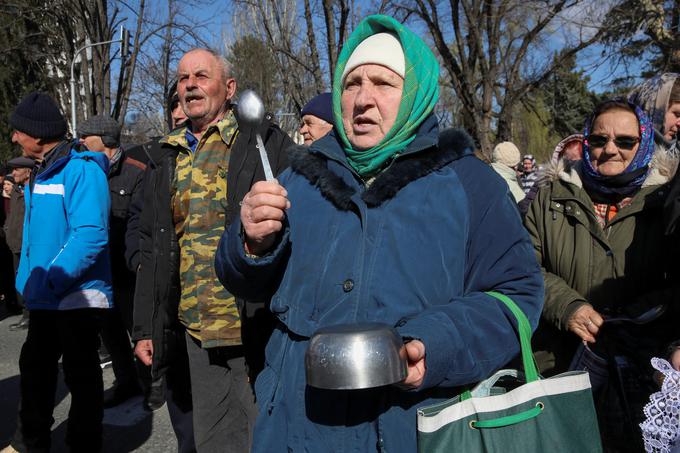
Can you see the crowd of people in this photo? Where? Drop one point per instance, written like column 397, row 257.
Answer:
column 205, row 281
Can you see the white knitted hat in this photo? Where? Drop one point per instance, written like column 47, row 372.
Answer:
column 383, row 49
column 506, row 153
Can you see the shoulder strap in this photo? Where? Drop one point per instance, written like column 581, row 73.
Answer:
column 524, row 329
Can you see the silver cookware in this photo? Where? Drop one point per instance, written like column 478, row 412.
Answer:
column 355, row 356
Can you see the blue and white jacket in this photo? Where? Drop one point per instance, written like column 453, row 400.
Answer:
column 65, row 261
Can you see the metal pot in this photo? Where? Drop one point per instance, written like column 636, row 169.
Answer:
column 355, row 356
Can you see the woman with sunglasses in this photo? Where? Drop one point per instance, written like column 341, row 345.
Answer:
column 597, row 231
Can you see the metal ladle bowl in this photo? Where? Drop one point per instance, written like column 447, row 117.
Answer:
column 355, row 356
column 250, row 110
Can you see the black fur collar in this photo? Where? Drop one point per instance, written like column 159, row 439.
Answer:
column 453, row 144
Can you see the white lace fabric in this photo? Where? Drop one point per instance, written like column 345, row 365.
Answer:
column 661, row 428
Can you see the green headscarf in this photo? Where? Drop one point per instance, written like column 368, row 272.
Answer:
column 419, row 96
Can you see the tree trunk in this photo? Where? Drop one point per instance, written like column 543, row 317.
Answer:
column 313, row 53
column 330, row 37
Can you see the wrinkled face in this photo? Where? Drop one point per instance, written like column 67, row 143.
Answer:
column 93, row 143
column 202, row 88
column 30, row 146
column 672, row 121
column 313, row 128
column 371, row 97
column 21, row 175
column 610, row 160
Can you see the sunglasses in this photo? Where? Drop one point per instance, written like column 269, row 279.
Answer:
column 621, row 141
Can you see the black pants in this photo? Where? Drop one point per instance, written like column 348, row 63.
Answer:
column 223, row 401
column 72, row 335
column 177, row 380
column 115, row 334
column 20, row 300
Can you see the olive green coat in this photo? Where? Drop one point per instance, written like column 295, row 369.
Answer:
column 620, row 270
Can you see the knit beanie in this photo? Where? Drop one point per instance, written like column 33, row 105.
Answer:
column 38, row 116
column 506, row 153
column 320, row 106
column 383, row 49
column 102, row 126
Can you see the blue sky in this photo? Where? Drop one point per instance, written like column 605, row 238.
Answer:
column 218, row 15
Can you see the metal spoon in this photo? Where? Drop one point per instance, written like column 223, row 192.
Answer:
column 251, row 112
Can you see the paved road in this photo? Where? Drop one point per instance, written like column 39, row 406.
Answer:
column 127, row 428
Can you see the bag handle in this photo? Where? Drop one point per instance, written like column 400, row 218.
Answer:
column 530, row 371
column 524, row 329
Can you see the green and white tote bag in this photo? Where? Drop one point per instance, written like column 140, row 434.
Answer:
column 543, row 415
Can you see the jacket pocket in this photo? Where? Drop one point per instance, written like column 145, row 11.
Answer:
column 121, row 197
column 36, row 289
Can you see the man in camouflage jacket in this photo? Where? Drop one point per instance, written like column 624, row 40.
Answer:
column 192, row 190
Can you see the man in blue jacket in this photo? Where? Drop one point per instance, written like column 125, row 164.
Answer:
column 64, row 276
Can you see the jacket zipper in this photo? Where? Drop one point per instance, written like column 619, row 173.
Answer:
column 154, row 312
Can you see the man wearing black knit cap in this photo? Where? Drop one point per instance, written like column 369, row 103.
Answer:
column 101, row 133
column 64, row 277
column 39, row 129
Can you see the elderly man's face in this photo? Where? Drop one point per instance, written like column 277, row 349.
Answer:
column 313, row 128
column 21, row 175
column 202, row 88
column 30, row 146
column 371, row 97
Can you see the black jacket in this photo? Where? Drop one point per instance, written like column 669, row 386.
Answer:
column 158, row 283
column 125, row 180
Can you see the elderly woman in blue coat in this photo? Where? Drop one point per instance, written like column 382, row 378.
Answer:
column 382, row 220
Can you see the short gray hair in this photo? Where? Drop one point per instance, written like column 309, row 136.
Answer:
column 222, row 60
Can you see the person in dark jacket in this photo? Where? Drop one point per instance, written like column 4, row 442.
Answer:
column 101, row 133
column 14, row 225
column 156, row 391
column 383, row 220
column 200, row 175
column 7, row 292
column 597, row 231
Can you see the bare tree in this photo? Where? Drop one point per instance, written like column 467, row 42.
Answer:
column 161, row 44
column 491, row 52
column 648, row 30
column 306, row 42
column 68, row 25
